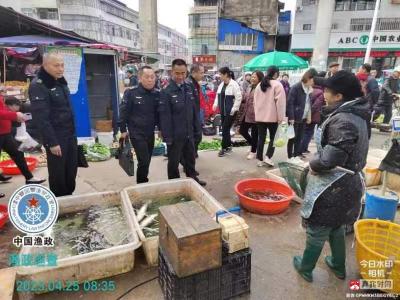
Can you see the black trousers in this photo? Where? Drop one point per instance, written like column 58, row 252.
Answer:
column 63, row 170
column 388, row 111
column 294, row 146
column 227, row 122
column 177, row 150
column 251, row 139
column 144, row 150
column 262, row 134
column 8, row 144
column 307, row 136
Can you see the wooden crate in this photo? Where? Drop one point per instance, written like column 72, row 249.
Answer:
column 188, row 187
column 89, row 266
column 104, row 126
column 189, row 238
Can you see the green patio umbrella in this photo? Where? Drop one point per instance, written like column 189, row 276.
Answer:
column 283, row 60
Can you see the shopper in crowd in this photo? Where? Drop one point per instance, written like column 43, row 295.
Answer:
column 285, row 84
column 246, row 82
column 317, row 102
column 179, row 121
column 333, row 197
column 248, row 121
column 133, row 82
column 299, row 112
column 8, row 144
column 374, row 73
column 216, row 82
column 371, row 88
column 52, row 113
column 269, row 107
column 389, row 94
column 229, row 98
column 139, row 117
column 195, row 78
column 332, row 69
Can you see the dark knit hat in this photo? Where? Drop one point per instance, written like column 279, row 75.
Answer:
column 343, row 82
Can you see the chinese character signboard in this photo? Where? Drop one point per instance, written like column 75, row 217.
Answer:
column 204, row 59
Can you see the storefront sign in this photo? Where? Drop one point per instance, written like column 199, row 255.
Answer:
column 351, row 40
column 73, row 64
column 205, row 59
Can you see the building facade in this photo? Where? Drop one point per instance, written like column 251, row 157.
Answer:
column 349, row 34
column 230, row 33
column 108, row 21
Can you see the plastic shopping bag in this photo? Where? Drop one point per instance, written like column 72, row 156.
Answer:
column 22, row 134
column 290, row 132
column 281, row 137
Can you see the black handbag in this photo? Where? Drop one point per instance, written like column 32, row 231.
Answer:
column 82, row 162
column 125, row 157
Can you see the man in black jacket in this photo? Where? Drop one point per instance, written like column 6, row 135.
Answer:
column 388, row 95
column 179, row 122
column 139, row 113
column 52, row 113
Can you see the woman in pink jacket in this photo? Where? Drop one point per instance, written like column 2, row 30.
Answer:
column 270, row 108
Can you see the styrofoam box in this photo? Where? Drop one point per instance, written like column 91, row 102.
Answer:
column 86, row 141
column 105, row 138
column 90, row 266
column 169, row 188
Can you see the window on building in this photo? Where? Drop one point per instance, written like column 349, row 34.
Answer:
column 352, row 64
column 391, row 24
column 306, row 26
column 335, row 26
column 360, row 24
column 341, row 5
column 308, row 2
column 30, row 12
column 47, row 13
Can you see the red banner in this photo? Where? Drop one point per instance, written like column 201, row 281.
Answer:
column 204, row 59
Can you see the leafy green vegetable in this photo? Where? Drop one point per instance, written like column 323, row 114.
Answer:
column 97, row 152
column 213, row 145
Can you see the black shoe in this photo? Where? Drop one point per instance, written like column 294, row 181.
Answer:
column 228, row 150
column 222, row 153
column 4, row 178
column 196, row 173
column 201, row 182
column 35, row 181
column 2, row 195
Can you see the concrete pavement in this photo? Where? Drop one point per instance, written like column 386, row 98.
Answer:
column 273, row 239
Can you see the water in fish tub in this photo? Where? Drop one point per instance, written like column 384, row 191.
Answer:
column 147, row 212
column 96, row 228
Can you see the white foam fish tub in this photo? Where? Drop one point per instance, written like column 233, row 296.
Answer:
column 93, row 265
column 171, row 188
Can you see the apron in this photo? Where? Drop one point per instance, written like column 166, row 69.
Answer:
column 317, row 184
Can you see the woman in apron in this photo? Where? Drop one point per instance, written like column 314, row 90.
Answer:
column 335, row 184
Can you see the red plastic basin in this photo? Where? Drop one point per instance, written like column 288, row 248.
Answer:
column 10, row 168
column 3, row 215
column 260, row 206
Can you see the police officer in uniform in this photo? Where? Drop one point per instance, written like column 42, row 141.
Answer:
column 52, row 113
column 139, row 113
column 179, row 122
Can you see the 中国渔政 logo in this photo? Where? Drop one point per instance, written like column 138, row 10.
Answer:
column 33, row 209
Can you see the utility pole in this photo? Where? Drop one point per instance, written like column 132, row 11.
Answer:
column 148, row 26
column 322, row 34
column 372, row 32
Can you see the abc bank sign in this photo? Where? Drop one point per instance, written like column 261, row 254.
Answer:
column 387, row 40
column 379, row 40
